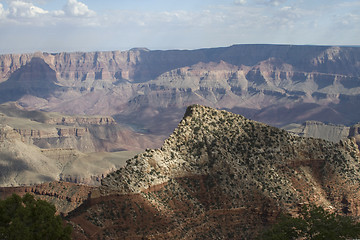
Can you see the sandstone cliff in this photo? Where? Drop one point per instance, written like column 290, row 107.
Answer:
column 276, row 84
column 220, row 175
column 83, row 133
column 37, row 147
column 315, row 129
column 26, row 164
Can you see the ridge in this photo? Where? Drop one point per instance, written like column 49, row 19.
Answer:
column 221, row 175
column 207, row 141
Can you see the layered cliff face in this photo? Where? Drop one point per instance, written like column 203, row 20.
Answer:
column 330, row 132
column 73, row 68
column 23, row 163
column 35, row 78
column 37, row 147
column 64, row 195
column 355, row 133
column 83, row 133
column 276, row 84
column 220, row 175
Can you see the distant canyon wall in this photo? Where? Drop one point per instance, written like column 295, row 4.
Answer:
column 275, row 84
column 143, row 65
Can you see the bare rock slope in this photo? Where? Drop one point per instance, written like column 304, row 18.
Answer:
column 220, row 175
column 330, row 132
column 37, row 147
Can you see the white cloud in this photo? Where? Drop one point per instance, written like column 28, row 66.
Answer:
column 24, row 12
column 20, row 9
column 239, row 2
column 76, row 27
column 74, row 8
column 350, row 19
column 3, row 13
column 271, row 2
column 58, row 13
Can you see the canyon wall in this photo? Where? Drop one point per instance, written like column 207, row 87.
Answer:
column 276, row 84
column 37, row 147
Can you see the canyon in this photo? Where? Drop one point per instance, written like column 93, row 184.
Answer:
column 37, row 147
column 218, row 175
column 150, row 89
column 103, row 136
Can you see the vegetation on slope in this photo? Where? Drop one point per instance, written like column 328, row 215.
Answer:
column 313, row 222
column 220, row 175
column 29, row 219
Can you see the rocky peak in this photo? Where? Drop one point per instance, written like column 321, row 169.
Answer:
column 218, row 169
column 209, row 142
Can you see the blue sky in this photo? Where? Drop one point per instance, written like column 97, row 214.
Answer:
column 94, row 25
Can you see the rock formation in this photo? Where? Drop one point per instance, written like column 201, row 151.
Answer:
column 64, row 195
column 37, row 147
column 355, row 133
column 315, row 129
column 220, row 175
column 276, row 84
column 35, row 78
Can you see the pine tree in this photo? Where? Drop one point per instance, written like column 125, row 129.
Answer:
column 314, row 223
column 27, row 218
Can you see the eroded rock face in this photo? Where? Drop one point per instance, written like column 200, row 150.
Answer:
column 37, row 147
column 83, row 133
column 7, row 132
column 78, row 66
column 35, row 78
column 315, row 129
column 64, row 195
column 355, row 133
column 85, row 120
column 216, row 170
column 276, row 84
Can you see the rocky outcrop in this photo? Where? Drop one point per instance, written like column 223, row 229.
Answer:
column 315, row 129
column 83, row 120
column 83, row 133
column 36, row 147
column 35, row 133
column 355, row 133
column 65, row 196
column 7, row 132
column 329, row 132
column 227, row 176
column 206, row 140
column 67, row 132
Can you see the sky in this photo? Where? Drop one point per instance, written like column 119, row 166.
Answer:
column 92, row 25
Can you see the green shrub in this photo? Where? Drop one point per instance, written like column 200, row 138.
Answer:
column 27, row 218
column 313, row 223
